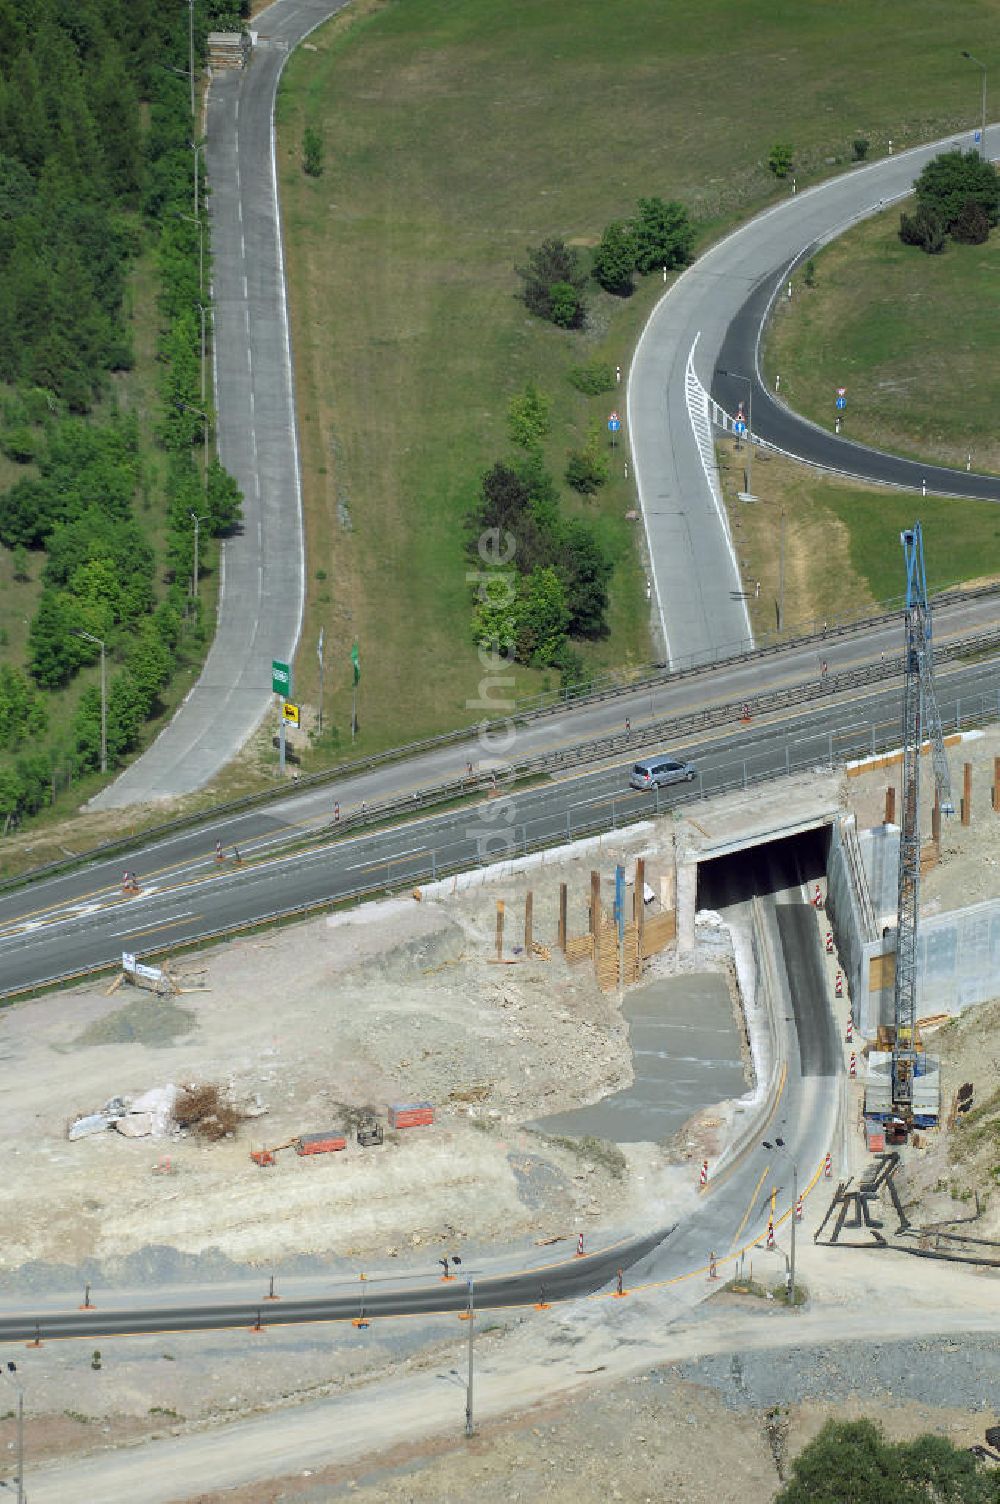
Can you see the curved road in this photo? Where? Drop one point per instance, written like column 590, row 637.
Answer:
column 262, row 585
column 691, row 556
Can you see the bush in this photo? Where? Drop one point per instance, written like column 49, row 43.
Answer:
column 972, row 227
column 925, row 229
column 780, row 159
column 615, row 259
column 860, row 145
column 951, row 179
column 554, row 283
column 528, row 417
column 312, row 152
column 587, row 468
column 809, row 273
column 664, row 235
column 593, row 378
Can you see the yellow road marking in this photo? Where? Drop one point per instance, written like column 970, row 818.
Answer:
column 765, row 1172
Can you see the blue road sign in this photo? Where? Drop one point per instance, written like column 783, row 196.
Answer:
column 841, row 402
column 614, row 423
column 739, row 428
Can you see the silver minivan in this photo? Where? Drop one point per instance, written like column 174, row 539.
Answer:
column 655, row 772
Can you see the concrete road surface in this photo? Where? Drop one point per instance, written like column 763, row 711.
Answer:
column 260, row 607
column 694, row 572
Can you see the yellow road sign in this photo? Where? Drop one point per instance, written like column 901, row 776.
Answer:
column 290, row 713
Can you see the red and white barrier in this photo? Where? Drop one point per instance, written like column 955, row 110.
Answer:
column 828, row 1168
column 854, row 1066
column 798, row 1210
column 703, row 1177
column 829, row 942
column 579, row 1245
column 817, row 898
column 850, row 1029
column 770, row 1234
column 713, row 1268
column 838, row 984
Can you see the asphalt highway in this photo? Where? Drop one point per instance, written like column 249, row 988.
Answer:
column 693, row 565
column 82, row 920
column 776, row 425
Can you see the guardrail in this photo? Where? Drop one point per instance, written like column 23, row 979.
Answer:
column 592, row 751
column 867, row 738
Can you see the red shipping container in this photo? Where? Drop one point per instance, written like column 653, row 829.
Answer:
column 411, row 1115
column 319, row 1143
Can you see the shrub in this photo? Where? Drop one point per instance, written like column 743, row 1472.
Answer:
column 809, row 273
column 780, row 159
column 951, row 179
column 860, row 146
column 312, row 152
column 554, row 283
column 972, row 227
column 925, row 228
column 593, row 378
column 587, row 468
column 615, row 259
column 664, row 235
column 528, row 417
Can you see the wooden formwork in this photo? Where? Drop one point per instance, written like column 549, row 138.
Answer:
column 657, row 933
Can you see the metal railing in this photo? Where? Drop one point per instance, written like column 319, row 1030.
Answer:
column 594, row 750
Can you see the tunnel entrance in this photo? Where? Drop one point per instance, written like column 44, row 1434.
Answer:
column 777, row 872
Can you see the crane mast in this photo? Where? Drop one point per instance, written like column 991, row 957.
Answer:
column 921, row 720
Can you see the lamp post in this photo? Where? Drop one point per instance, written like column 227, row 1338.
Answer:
column 748, row 473
column 779, row 1146
column 194, row 571
column 9, row 1376
column 191, row 51
column 79, row 632
column 470, row 1428
column 982, row 139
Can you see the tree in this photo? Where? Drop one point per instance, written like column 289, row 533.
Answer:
column 780, row 158
column 27, row 511
column 495, row 621
column 587, row 469
column 951, row 179
column 860, row 146
column 852, row 1460
column 55, row 654
column 504, row 499
column 225, row 500
column 528, row 417
column 585, row 570
column 312, row 152
column 615, row 258
column 554, row 283
column 542, row 618
column 972, row 227
column 925, row 228
column 663, row 235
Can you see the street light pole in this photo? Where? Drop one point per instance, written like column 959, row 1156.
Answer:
column 9, row 1376
column 470, row 1428
column 982, row 138
column 191, row 52
column 781, row 573
column 194, row 572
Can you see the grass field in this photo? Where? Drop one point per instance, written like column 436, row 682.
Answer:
column 914, row 338
column 455, row 136
column 842, row 555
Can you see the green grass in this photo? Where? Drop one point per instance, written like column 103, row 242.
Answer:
column 914, row 339
column 455, row 136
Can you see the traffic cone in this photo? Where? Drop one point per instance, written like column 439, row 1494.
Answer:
column 838, row 984
column 579, row 1245
column 703, row 1177
column 770, row 1234
column 798, row 1210
column 828, row 1168
column 817, row 898
column 829, row 942
column 854, row 1066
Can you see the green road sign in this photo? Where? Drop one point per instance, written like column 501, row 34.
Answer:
column 281, row 678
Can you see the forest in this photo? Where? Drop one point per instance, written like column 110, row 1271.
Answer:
column 98, row 152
